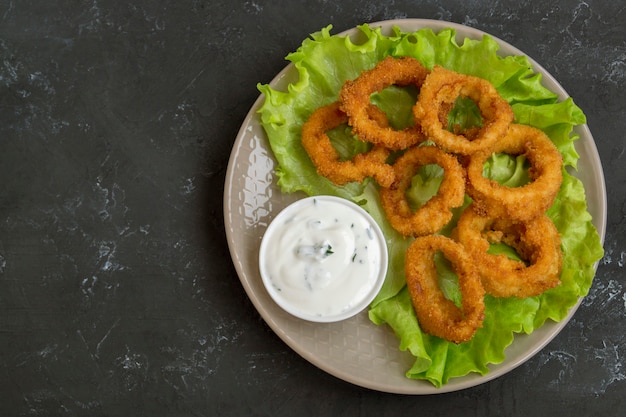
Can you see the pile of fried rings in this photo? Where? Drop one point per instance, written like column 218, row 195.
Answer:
column 515, row 216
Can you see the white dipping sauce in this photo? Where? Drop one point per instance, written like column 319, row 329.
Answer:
column 323, row 259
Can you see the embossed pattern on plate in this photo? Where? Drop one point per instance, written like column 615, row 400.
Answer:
column 356, row 350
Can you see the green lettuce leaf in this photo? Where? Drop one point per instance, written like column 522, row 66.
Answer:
column 324, row 62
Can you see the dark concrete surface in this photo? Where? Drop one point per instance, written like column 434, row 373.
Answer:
column 118, row 296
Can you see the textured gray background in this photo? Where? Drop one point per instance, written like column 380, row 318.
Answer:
column 117, row 293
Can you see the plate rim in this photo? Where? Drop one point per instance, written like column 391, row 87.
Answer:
column 423, row 387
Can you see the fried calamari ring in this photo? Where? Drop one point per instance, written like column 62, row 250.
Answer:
column 536, row 241
column 436, row 314
column 529, row 200
column 355, row 101
column 439, row 92
column 435, row 213
column 326, row 158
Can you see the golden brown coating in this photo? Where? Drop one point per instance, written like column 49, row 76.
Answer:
column 529, row 200
column 355, row 100
column 436, row 314
column 536, row 241
column 436, row 212
column 438, row 94
column 326, row 158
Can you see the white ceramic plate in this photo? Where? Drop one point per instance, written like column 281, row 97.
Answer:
column 356, row 350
